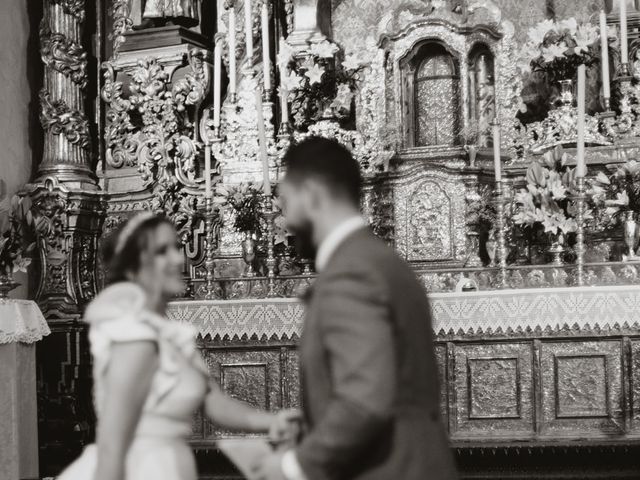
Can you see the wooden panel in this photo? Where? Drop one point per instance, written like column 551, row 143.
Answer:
column 581, row 388
column 253, row 376
column 494, row 391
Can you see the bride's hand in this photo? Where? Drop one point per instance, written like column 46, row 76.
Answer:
column 286, row 426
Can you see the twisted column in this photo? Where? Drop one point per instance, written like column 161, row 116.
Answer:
column 67, row 138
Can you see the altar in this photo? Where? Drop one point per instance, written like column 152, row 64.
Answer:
column 548, row 366
column 499, row 150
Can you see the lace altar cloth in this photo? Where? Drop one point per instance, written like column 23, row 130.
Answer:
column 21, row 321
column 466, row 313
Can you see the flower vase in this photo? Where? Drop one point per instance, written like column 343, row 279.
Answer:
column 249, row 254
column 630, row 232
column 472, row 153
column 566, row 92
column 557, row 249
column 491, row 245
column 6, row 285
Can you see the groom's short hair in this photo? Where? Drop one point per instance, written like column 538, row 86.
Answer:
column 328, row 161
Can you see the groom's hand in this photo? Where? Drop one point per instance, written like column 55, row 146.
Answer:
column 271, row 468
column 286, row 427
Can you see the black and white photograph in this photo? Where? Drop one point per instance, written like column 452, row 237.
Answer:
column 320, row 240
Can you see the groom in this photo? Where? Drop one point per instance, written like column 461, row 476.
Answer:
column 369, row 377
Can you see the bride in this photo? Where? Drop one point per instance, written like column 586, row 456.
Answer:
column 149, row 377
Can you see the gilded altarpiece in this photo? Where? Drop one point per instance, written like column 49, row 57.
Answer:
column 520, row 372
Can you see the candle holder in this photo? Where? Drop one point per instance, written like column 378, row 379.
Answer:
column 209, row 130
column 580, row 198
column 270, row 215
column 499, row 201
column 624, row 73
column 209, row 225
column 285, row 131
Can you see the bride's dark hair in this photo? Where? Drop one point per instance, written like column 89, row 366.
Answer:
column 121, row 250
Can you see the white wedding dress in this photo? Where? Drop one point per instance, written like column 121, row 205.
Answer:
column 159, row 449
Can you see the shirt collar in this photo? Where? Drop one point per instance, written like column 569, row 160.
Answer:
column 335, row 238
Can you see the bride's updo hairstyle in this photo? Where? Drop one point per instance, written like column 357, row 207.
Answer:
column 122, row 249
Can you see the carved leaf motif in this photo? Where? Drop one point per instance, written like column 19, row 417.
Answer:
column 73, row 7
column 63, row 55
column 60, row 119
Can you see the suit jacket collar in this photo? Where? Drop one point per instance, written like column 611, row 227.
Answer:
column 339, row 234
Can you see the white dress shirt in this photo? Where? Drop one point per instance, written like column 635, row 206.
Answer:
column 290, row 465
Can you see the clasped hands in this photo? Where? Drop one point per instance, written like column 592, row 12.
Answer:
column 284, row 433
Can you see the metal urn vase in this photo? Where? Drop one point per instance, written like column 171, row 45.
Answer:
column 631, row 232
column 6, row 285
column 249, row 254
column 557, row 248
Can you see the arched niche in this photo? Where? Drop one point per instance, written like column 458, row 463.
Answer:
column 431, row 93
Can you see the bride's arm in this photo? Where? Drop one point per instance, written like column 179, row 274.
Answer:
column 127, row 382
column 233, row 414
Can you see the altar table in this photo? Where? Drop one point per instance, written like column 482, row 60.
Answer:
column 21, row 325
column 528, row 367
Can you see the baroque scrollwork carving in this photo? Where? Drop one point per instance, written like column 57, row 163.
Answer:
column 73, row 7
column 121, row 14
column 152, row 126
column 56, row 116
column 63, row 55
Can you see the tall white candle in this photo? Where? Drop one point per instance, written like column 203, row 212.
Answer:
column 604, row 58
column 248, row 29
column 217, row 67
column 262, row 141
column 266, row 61
column 232, row 49
column 284, row 104
column 581, row 168
column 207, row 170
column 624, row 54
column 497, row 165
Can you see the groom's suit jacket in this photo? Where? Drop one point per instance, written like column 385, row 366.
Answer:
column 369, row 376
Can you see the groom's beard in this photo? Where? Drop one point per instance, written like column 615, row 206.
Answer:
column 305, row 247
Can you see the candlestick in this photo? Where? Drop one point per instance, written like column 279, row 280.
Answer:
column 604, row 58
column 207, row 170
column 266, row 61
column 209, row 263
column 217, row 68
column 232, row 53
column 248, row 30
column 262, row 140
column 497, row 161
column 581, row 168
column 501, row 252
column 624, row 54
column 270, row 215
column 579, row 248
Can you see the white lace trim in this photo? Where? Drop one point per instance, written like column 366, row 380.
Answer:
column 460, row 313
column 21, row 321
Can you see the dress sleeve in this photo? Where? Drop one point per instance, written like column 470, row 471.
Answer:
column 118, row 315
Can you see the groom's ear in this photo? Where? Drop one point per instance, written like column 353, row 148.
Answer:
column 305, row 297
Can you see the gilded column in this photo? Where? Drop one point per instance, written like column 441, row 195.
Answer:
column 67, row 204
column 67, row 142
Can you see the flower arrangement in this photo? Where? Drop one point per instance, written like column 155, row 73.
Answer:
column 558, row 48
column 617, row 193
column 546, row 200
column 16, row 226
column 245, row 201
column 316, row 81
